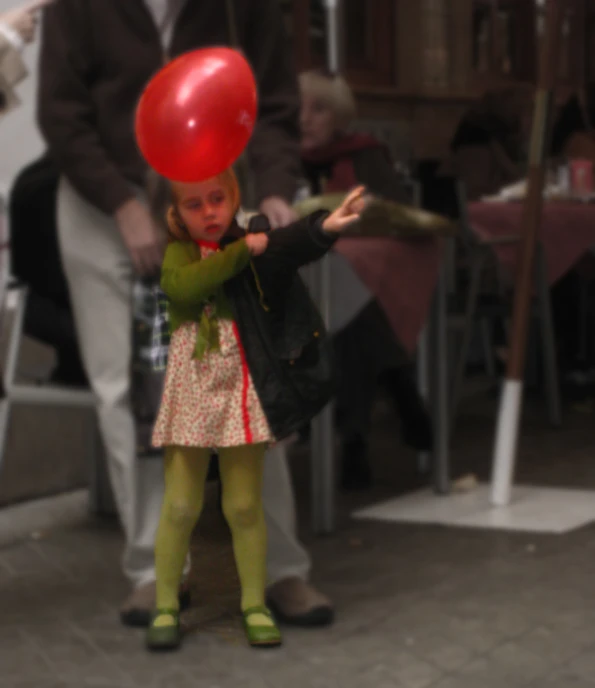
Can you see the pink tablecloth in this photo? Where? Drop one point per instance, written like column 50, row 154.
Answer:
column 567, row 231
column 402, row 275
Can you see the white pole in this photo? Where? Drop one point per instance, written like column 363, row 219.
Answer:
column 511, row 400
column 506, row 442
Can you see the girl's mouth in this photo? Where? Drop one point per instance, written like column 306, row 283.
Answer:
column 213, row 229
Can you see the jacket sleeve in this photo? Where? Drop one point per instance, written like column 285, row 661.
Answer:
column 188, row 282
column 273, row 152
column 298, row 244
column 65, row 108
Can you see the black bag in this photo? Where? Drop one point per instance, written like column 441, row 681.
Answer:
column 34, row 237
column 36, row 262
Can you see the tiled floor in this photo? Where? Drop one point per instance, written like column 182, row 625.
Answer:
column 417, row 606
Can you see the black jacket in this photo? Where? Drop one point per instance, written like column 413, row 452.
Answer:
column 287, row 348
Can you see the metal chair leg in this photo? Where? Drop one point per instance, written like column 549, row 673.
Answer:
column 549, row 342
column 477, row 263
column 323, row 427
column 5, row 409
column 439, row 346
column 15, row 340
column 423, row 384
column 9, row 372
column 488, row 349
column 583, row 326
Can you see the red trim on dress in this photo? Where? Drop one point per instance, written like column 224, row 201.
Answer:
column 245, row 385
column 207, row 244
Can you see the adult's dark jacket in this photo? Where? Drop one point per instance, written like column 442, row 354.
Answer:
column 97, row 56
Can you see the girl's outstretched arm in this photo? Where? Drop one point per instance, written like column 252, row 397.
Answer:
column 307, row 240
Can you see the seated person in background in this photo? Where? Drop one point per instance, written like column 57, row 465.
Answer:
column 572, row 134
column 367, row 351
column 572, row 137
column 489, row 142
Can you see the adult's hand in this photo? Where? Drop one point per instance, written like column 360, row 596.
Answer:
column 23, row 20
column 144, row 240
column 278, row 211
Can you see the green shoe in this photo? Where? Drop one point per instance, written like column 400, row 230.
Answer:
column 164, row 637
column 261, row 636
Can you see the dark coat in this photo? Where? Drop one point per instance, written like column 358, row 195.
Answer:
column 96, row 57
column 287, row 348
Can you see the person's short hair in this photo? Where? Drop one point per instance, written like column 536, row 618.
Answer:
column 333, row 90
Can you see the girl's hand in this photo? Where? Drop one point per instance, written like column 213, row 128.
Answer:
column 348, row 212
column 257, row 243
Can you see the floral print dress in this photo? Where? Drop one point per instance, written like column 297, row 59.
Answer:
column 210, row 402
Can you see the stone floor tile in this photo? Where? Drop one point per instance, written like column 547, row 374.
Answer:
column 564, row 678
column 583, row 665
column 417, row 606
column 553, row 646
column 445, row 654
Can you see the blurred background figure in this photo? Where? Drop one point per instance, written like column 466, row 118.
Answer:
column 17, row 29
column 489, row 144
column 32, row 211
column 335, row 159
column 573, row 135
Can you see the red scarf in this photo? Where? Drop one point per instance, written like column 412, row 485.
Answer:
column 338, row 155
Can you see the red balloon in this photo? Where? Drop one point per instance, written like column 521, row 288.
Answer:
column 197, row 114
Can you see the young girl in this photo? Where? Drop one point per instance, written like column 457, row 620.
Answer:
column 245, row 368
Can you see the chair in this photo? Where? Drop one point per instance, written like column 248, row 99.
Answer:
column 13, row 302
column 430, row 374
column 484, row 309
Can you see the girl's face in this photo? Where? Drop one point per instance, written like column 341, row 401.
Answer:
column 317, row 122
column 205, row 209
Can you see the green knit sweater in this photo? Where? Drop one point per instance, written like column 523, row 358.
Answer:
column 191, row 283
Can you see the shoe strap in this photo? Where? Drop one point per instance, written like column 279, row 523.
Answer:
column 166, row 611
column 261, row 609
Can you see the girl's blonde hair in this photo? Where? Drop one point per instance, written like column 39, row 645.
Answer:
column 333, row 90
column 177, row 231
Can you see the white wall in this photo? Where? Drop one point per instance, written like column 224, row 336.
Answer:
column 20, row 141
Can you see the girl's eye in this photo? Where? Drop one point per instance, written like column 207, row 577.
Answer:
column 194, row 205
column 217, row 198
